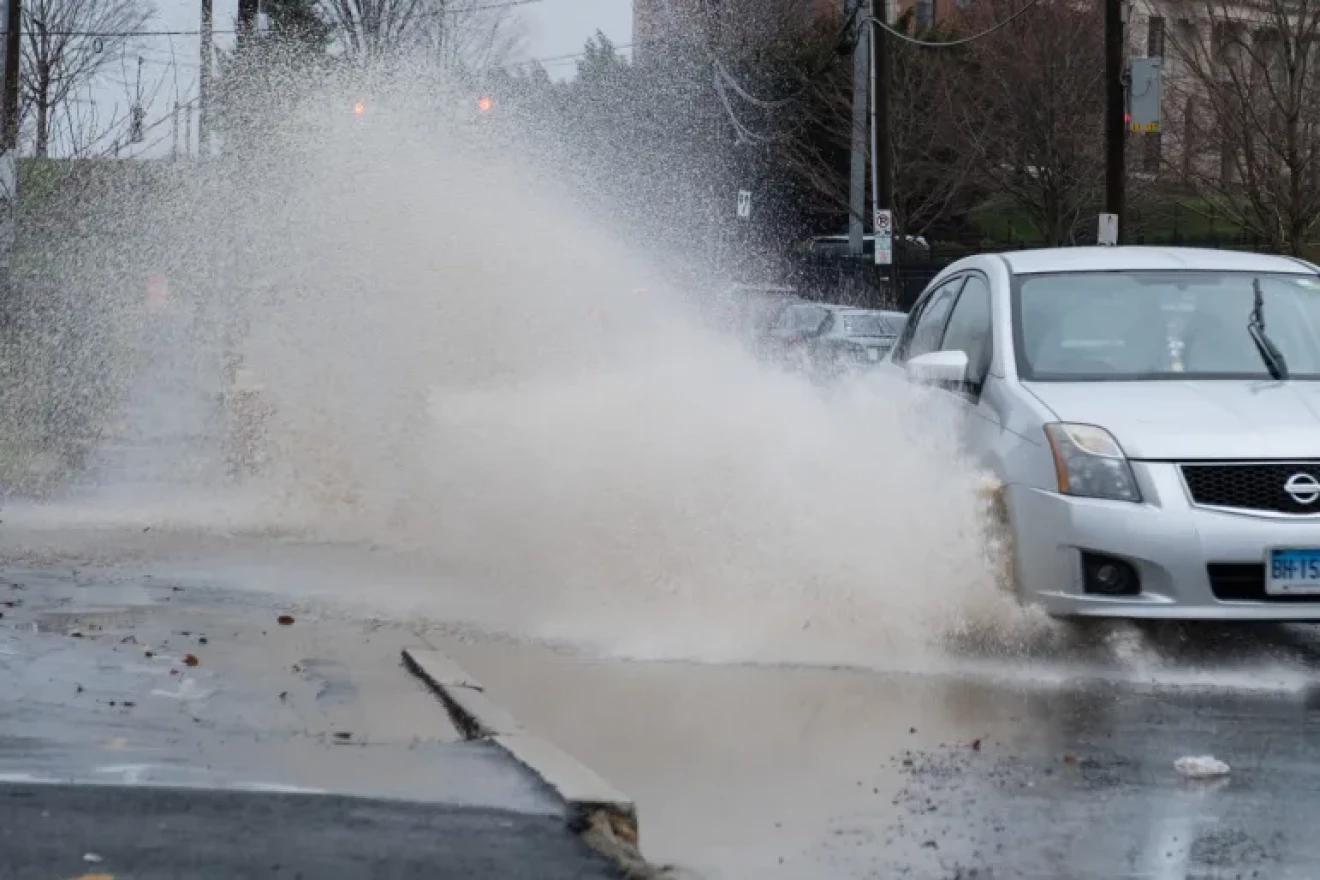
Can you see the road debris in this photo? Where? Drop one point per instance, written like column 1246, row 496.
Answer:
column 285, row 620
column 190, row 660
column 1201, row 767
column 92, row 857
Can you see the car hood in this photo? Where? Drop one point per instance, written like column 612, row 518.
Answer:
column 1195, row 419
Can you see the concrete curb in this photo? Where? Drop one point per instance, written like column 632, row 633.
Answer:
column 605, row 818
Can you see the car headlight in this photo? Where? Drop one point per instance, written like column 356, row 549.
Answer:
column 1090, row 463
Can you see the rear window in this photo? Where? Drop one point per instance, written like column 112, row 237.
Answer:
column 801, row 320
column 868, row 325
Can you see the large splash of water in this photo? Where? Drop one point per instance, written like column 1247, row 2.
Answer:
column 461, row 363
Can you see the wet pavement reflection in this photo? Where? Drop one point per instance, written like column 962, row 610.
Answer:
column 845, row 773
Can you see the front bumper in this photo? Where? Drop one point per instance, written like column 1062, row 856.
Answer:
column 1194, row 563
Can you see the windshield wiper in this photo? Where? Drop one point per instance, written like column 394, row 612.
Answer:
column 1269, row 352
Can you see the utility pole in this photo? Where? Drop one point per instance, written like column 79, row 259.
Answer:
column 1115, row 111
column 882, row 138
column 204, row 83
column 13, row 55
column 857, row 172
column 247, row 17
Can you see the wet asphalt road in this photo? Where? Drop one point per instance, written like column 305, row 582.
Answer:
column 1054, row 767
column 142, row 833
column 151, row 730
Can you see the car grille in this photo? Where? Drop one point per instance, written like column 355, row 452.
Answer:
column 1252, row 485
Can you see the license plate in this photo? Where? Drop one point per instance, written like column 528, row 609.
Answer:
column 873, row 354
column 1292, row 572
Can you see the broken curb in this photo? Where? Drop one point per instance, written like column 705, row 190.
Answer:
column 606, row 819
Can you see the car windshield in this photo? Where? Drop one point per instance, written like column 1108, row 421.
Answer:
column 867, row 325
column 1097, row 326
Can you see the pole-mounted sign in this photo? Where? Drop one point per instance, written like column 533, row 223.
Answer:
column 744, row 204
column 884, row 237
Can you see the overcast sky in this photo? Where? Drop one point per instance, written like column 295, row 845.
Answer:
column 170, row 64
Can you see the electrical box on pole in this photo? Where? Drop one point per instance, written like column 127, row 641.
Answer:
column 1145, row 94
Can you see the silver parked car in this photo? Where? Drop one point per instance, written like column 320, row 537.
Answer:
column 1153, row 415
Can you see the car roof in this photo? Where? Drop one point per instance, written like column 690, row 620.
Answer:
column 1146, row 258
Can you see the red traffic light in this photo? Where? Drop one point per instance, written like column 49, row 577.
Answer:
column 485, row 103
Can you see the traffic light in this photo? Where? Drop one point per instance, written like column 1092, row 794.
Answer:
column 485, row 103
column 359, row 108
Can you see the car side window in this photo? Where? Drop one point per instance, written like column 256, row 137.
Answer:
column 929, row 327
column 913, row 317
column 970, row 331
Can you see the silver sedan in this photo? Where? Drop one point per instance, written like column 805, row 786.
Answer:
column 1153, row 415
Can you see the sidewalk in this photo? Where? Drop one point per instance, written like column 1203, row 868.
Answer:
column 164, row 731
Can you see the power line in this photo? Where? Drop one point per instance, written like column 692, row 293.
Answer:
column 558, row 59
column 722, row 72
column 948, row 44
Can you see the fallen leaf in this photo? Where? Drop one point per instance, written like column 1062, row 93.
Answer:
column 285, row 620
column 190, row 660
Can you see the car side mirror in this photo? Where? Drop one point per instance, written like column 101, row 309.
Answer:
column 938, row 366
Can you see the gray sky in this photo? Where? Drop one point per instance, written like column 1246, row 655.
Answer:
column 170, row 64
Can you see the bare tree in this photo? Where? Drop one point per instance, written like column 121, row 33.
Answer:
column 366, row 28
column 1029, row 107
column 931, row 174
column 67, row 44
column 459, row 33
column 1250, row 74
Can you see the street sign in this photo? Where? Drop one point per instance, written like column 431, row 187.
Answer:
column 744, row 204
column 884, row 237
column 1145, row 94
column 1108, row 231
